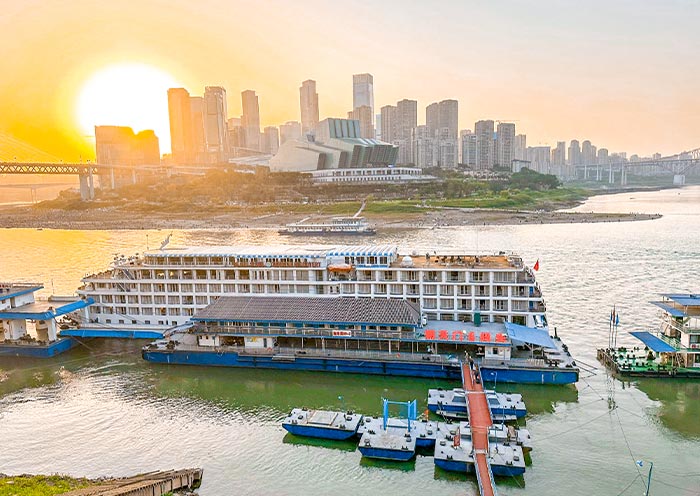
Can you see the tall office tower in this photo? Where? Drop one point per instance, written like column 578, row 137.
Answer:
column 484, row 144
column 587, row 153
column 290, row 130
column 574, row 153
column 309, row 106
column 449, row 117
column 180, row 115
column 603, row 156
column 363, row 91
column 199, row 137
column 506, row 144
column 520, row 147
column 215, row 123
column 388, row 113
column 364, row 114
column 270, row 140
column 422, row 146
column 469, row 149
column 540, row 158
column 378, row 126
column 250, row 120
column 236, row 137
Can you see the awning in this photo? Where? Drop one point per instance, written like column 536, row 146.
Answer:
column 674, row 312
column 653, row 343
column 530, row 335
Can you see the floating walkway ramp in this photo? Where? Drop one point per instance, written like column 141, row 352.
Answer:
column 151, row 484
column 480, row 421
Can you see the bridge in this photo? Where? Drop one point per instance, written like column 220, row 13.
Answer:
column 679, row 165
column 85, row 172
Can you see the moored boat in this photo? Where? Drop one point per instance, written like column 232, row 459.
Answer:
column 322, row 424
column 501, row 405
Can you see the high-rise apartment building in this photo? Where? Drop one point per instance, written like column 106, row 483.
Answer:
column 422, row 146
column 484, row 144
column 215, row 127
column 574, row 153
column 520, row 147
column 290, row 130
column 236, row 137
column 469, row 149
column 388, row 113
column 432, row 118
column 588, row 153
column 363, row 91
column 250, row 120
column 539, row 158
column 441, row 120
column 270, row 140
column 309, row 106
column 602, row 157
column 364, row 114
column 506, row 144
column 445, row 153
column 180, row 114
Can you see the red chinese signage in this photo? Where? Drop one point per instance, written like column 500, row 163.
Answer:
column 483, row 337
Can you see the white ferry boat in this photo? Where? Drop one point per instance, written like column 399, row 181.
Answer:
column 487, row 306
column 337, row 225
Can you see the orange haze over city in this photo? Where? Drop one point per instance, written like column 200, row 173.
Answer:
column 561, row 70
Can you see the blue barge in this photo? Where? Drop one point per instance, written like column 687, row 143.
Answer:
column 322, row 424
column 360, row 335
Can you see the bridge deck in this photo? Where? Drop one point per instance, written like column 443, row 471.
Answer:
column 480, row 421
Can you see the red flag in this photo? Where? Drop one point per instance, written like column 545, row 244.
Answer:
column 537, row 265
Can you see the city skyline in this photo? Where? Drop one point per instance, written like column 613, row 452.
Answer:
column 561, row 80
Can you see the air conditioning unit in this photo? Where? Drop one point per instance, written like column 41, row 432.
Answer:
column 695, row 345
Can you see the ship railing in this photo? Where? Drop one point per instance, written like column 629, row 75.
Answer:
column 522, row 362
column 303, row 331
column 326, row 353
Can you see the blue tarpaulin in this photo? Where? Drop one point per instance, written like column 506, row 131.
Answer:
column 530, row 335
column 653, row 343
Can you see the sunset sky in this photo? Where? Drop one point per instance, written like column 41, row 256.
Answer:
column 623, row 74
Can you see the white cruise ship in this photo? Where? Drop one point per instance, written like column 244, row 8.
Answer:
column 164, row 288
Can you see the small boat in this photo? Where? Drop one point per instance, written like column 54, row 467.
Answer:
column 337, row 225
column 454, row 452
column 423, row 430
column 502, row 405
column 394, row 440
column 322, row 424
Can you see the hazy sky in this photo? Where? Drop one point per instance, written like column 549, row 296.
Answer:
column 623, row 74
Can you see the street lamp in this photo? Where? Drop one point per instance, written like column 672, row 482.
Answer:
column 651, row 467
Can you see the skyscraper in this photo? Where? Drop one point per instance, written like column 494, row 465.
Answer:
column 469, row 149
column 406, row 121
column 506, row 144
column 520, row 147
column 602, row 156
column 181, row 131
column 441, row 120
column 363, row 91
column 199, row 139
column 388, row 113
column 309, row 106
column 540, row 158
column 588, row 153
column 574, row 153
column 364, row 114
column 215, row 127
column 250, row 120
column 271, row 140
column 422, row 147
column 236, row 137
column 118, row 145
column 484, row 144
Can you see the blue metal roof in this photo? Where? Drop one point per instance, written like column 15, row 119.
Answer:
column 685, row 299
column 653, row 343
column 35, row 311
column 364, row 250
column 18, row 290
column 673, row 311
column 530, row 335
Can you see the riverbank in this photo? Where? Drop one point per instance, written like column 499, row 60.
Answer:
column 164, row 483
column 394, row 215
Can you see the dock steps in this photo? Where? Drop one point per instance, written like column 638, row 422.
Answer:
column 150, row 484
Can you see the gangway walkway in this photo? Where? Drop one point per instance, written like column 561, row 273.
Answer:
column 480, row 421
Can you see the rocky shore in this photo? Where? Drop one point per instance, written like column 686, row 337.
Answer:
column 116, row 218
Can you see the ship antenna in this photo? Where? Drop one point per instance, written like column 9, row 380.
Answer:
column 165, row 241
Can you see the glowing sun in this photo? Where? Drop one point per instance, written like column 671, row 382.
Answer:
column 133, row 95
